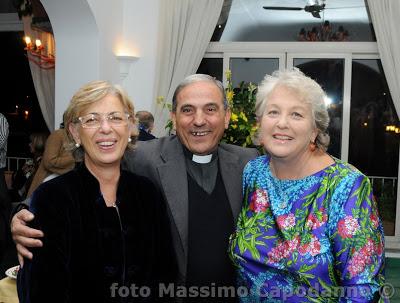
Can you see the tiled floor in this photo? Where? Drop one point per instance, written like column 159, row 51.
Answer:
column 393, row 277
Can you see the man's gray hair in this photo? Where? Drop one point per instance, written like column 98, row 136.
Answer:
column 198, row 78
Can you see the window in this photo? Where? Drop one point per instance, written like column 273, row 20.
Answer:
column 352, row 76
column 374, row 146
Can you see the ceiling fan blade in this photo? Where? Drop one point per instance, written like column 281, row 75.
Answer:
column 282, row 8
column 314, row 8
column 316, row 15
column 347, row 7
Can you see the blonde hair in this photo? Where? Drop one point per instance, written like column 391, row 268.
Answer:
column 307, row 90
column 88, row 94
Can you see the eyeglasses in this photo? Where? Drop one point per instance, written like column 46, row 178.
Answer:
column 94, row 120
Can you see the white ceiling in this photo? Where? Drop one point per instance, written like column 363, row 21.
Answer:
column 335, row 11
column 248, row 21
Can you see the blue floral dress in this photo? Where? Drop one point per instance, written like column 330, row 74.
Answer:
column 317, row 239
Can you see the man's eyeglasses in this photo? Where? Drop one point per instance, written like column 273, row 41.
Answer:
column 94, row 120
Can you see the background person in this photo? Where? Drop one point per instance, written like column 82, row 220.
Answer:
column 56, row 159
column 5, row 203
column 23, row 177
column 200, row 179
column 308, row 219
column 102, row 226
column 146, row 125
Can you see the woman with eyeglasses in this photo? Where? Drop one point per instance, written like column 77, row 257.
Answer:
column 106, row 234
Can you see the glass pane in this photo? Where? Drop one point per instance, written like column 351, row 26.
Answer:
column 249, row 21
column 374, row 144
column 251, row 69
column 329, row 73
column 212, row 67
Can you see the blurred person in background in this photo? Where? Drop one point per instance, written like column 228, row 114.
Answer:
column 145, row 124
column 56, row 159
column 5, row 203
column 23, row 177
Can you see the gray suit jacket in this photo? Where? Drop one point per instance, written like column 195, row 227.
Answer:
column 163, row 161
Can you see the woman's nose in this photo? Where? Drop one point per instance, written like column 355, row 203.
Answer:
column 105, row 125
column 282, row 121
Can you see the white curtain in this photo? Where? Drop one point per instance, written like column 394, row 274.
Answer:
column 186, row 29
column 43, row 79
column 385, row 15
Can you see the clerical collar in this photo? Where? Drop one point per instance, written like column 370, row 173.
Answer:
column 202, row 159
column 205, row 172
column 199, row 159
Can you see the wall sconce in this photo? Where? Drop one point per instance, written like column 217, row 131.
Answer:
column 36, row 54
column 125, row 63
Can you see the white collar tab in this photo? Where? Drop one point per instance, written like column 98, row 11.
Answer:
column 202, row 159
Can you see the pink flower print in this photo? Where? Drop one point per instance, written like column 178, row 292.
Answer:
column 294, row 243
column 362, row 257
column 313, row 247
column 374, row 220
column 283, row 250
column 286, row 221
column 358, row 263
column 379, row 248
column 348, row 227
column 303, row 249
column 369, row 248
column 277, row 253
column 259, row 201
column 313, row 222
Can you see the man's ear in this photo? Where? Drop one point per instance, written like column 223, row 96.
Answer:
column 73, row 129
column 172, row 115
column 227, row 117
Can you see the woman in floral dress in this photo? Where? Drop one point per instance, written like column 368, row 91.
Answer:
column 309, row 230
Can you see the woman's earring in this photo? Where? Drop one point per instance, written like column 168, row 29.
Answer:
column 77, row 145
column 129, row 139
column 313, row 146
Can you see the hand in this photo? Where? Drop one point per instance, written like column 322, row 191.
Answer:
column 23, row 235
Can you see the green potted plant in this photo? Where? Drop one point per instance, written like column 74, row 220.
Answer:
column 243, row 124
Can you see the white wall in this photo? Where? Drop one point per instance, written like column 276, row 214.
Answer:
column 77, row 48
column 109, row 20
column 141, row 23
column 90, row 33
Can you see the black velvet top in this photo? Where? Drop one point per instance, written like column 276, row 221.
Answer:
column 95, row 253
